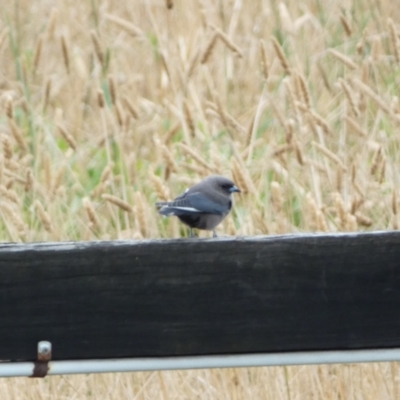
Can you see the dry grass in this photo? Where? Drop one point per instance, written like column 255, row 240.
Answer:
column 106, row 107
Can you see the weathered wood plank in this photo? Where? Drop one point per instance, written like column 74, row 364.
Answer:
column 200, row 297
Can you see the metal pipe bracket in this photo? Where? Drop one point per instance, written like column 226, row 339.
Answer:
column 41, row 365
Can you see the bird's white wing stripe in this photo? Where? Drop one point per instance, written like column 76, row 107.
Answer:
column 190, row 209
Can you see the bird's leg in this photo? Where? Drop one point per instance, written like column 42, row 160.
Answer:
column 192, row 234
column 215, row 234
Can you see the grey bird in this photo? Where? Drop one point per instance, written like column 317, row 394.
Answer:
column 204, row 205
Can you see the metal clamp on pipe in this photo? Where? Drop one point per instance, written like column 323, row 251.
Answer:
column 41, row 366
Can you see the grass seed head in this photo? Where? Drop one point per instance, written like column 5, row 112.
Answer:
column 346, row 25
column 44, row 216
column 122, row 204
column 281, row 55
column 91, row 212
column 65, row 52
column 97, row 47
column 15, row 219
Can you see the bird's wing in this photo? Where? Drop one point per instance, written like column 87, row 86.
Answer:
column 198, row 203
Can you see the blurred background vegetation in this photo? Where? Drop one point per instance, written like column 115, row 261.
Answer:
column 107, row 107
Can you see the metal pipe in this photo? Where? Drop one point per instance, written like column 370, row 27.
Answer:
column 10, row 369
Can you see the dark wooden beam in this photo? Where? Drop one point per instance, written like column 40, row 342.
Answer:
column 200, row 297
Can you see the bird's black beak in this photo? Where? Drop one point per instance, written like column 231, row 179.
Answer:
column 234, row 189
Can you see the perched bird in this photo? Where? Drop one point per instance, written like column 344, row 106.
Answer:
column 204, row 205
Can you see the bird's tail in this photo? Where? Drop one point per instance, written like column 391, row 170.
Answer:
column 163, row 207
column 161, row 204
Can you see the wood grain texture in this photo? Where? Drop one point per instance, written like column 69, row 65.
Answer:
column 200, row 297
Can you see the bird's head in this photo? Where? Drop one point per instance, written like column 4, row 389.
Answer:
column 223, row 184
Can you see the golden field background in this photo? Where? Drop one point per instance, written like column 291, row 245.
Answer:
column 107, row 107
